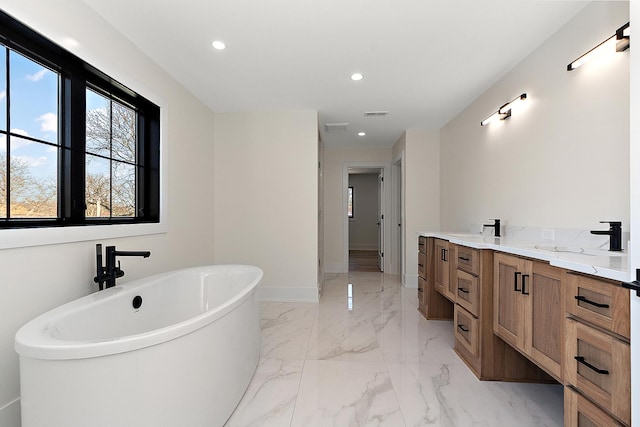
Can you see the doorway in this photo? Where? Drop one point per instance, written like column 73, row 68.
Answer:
column 366, row 219
column 372, row 216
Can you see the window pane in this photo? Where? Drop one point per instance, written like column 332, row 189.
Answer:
column 98, row 124
column 34, row 99
column 124, row 133
column 350, row 203
column 98, row 187
column 3, row 88
column 34, row 184
column 124, row 190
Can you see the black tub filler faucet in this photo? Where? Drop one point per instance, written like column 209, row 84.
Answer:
column 106, row 276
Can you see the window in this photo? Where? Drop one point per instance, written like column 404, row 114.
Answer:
column 76, row 147
column 350, row 203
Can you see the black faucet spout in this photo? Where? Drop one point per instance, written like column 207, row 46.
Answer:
column 495, row 226
column 614, row 233
column 106, row 276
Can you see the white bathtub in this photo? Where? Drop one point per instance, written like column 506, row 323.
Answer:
column 183, row 358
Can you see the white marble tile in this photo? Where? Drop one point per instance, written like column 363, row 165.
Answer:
column 343, row 335
column 286, row 328
column 346, row 394
column 271, row 396
column 450, row 395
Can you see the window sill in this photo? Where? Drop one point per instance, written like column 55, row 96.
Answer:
column 26, row 237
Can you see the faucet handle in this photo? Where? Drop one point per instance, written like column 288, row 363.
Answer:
column 612, row 223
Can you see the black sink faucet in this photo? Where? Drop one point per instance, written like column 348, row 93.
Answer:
column 106, row 276
column 614, row 233
column 495, row 226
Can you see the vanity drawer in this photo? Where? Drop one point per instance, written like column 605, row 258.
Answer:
column 422, row 244
column 422, row 286
column 580, row 412
column 599, row 366
column 422, row 265
column 599, row 302
column 468, row 259
column 468, row 292
column 466, row 330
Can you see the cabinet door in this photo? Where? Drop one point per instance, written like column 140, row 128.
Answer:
column 508, row 310
column 598, row 365
column 580, row 412
column 543, row 296
column 442, row 268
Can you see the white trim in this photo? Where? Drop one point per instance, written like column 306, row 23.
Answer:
column 397, row 260
column 336, row 267
column 276, row 294
column 385, row 166
column 410, row 280
column 10, row 414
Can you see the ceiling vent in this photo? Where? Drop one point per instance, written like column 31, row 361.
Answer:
column 376, row 114
column 336, row 127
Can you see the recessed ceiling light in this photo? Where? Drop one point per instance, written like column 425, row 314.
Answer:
column 218, row 45
column 357, row 76
column 361, row 134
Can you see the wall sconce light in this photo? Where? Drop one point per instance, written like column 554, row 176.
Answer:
column 619, row 42
column 504, row 112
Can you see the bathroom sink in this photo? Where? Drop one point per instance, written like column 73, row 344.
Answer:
column 467, row 235
column 577, row 250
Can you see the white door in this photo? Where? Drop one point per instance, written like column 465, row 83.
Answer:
column 381, row 221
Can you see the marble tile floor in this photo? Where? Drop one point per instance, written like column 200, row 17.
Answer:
column 364, row 356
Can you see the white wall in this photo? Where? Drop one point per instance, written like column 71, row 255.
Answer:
column 562, row 161
column 266, row 196
column 36, row 279
column 363, row 227
column 421, row 198
column 333, row 210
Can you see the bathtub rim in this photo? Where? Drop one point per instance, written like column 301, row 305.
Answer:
column 32, row 340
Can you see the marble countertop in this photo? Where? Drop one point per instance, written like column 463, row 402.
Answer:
column 594, row 261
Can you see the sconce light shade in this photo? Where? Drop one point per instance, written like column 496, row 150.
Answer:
column 504, row 112
column 619, row 42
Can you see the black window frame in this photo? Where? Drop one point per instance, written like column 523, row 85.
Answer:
column 75, row 77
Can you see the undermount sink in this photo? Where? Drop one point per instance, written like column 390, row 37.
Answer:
column 577, row 250
column 467, row 235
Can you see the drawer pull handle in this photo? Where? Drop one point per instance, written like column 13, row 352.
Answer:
column 463, row 290
column 463, row 258
column 420, row 265
column 420, row 290
column 462, row 328
column 524, row 276
column 586, row 301
column 515, row 281
column 580, row 359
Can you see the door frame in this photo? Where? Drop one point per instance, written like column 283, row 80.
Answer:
column 397, row 217
column 386, row 205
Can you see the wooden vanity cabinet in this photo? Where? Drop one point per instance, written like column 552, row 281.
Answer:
column 529, row 315
column 489, row 357
column 444, row 282
column 431, row 304
column 597, row 352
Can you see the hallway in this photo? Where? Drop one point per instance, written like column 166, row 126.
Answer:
column 363, row 261
column 365, row 356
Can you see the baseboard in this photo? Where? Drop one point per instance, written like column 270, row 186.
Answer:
column 410, row 280
column 273, row 294
column 10, row 414
column 363, row 246
column 336, row 268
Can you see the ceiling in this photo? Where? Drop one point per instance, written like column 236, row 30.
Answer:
column 424, row 61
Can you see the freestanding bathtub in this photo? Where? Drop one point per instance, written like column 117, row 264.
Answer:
column 176, row 349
